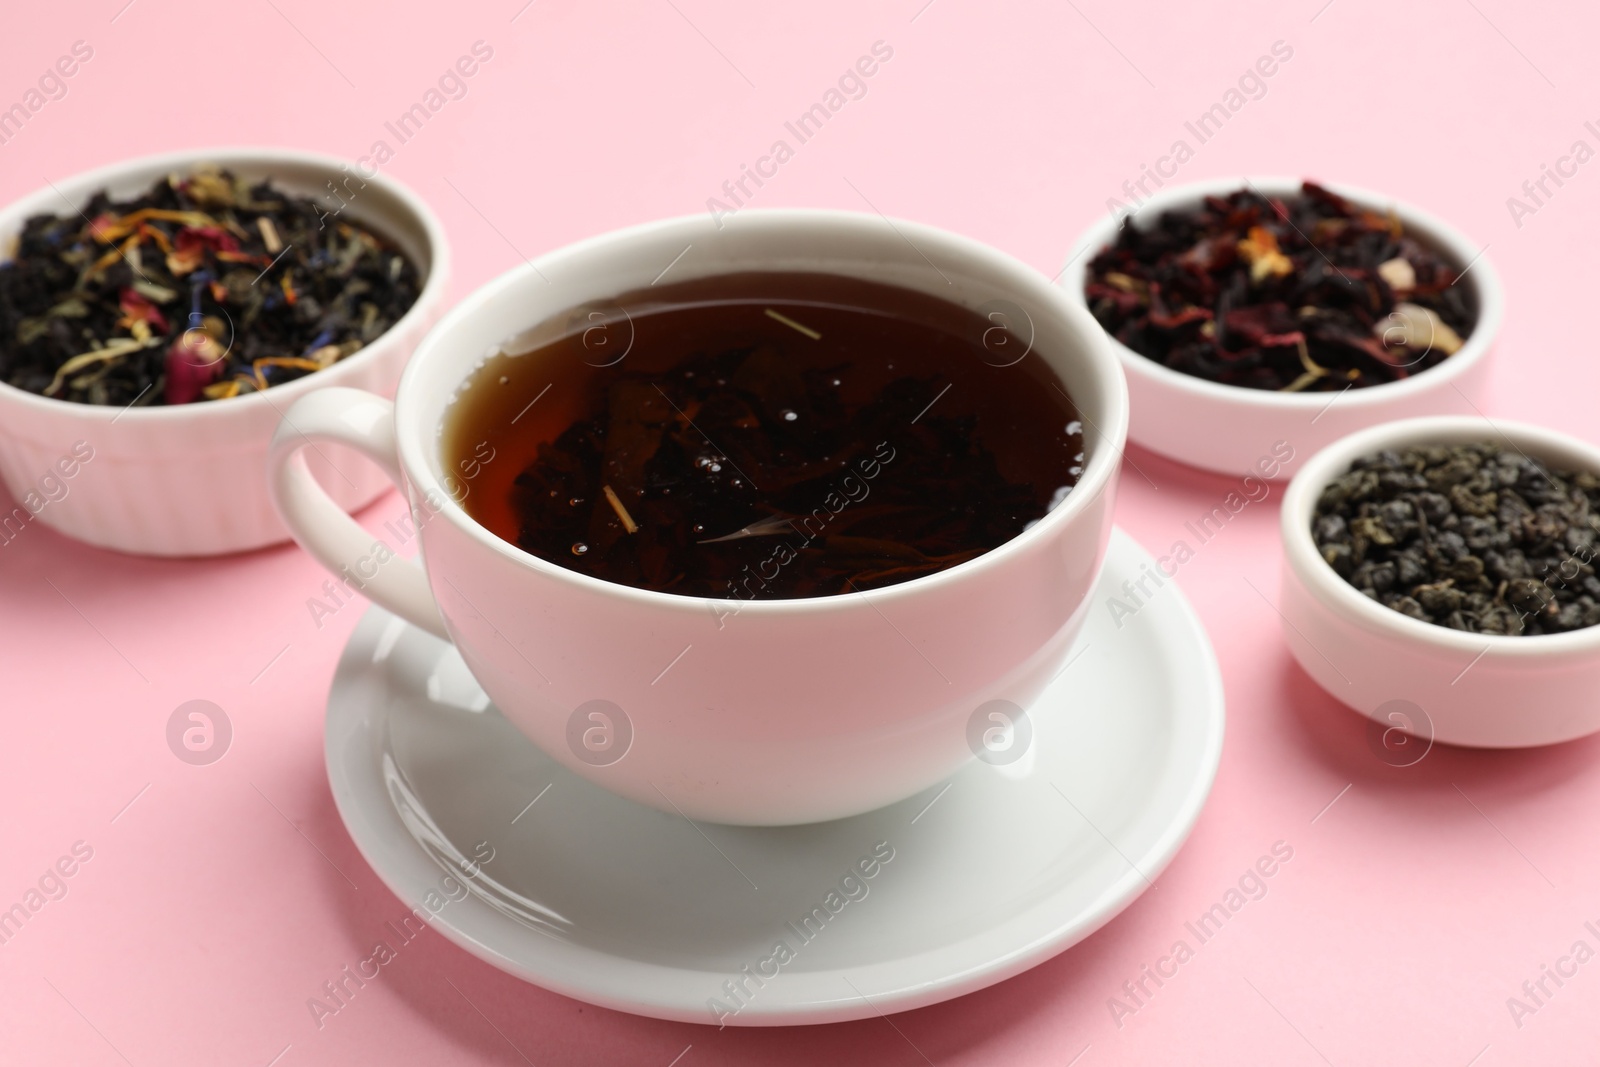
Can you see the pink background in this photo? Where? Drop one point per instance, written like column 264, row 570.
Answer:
column 206, row 918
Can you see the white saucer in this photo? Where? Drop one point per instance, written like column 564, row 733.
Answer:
column 623, row 906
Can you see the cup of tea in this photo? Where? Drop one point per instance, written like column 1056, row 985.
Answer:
column 756, row 523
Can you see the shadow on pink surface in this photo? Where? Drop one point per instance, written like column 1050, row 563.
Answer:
column 1326, row 733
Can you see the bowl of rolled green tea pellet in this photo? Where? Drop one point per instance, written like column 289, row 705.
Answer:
column 157, row 316
column 1478, row 536
column 1450, row 566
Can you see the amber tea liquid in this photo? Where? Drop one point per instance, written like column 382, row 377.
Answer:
column 774, row 435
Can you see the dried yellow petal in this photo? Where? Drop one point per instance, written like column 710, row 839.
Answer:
column 1417, row 327
column 1398, row 273
column 1259, row 248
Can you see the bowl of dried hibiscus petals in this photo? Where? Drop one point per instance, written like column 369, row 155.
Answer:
column 157, row 316
column 1261, row 316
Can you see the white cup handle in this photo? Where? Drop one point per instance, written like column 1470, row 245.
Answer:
column 364, row 422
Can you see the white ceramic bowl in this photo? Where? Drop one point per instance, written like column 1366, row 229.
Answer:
column 1483, row 690
column 1227, row 428
column 185, row 480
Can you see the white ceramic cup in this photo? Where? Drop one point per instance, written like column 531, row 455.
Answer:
column 166, row 480
column 1228, row 428
column 775, row 711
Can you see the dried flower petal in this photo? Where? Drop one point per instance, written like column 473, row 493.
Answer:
column 102, row 227
column 1260, row 249
column 1419, row 328
column 194, row 361
column 107, row 230
column 1182, row 318
column 135, row 308
column 1399, row 274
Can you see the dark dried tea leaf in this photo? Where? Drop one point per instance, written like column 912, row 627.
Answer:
column 1473, row 537
column 203, row 288
column 1308, row 294
column 762, row 436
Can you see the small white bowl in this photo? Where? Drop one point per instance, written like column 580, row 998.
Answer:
column 1229, row 428
column 1482, row 690
column 186, row 480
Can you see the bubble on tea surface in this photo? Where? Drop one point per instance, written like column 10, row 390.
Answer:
column 999, row 732
column 199, row 732
column 599, row 732
column 1399, row 733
